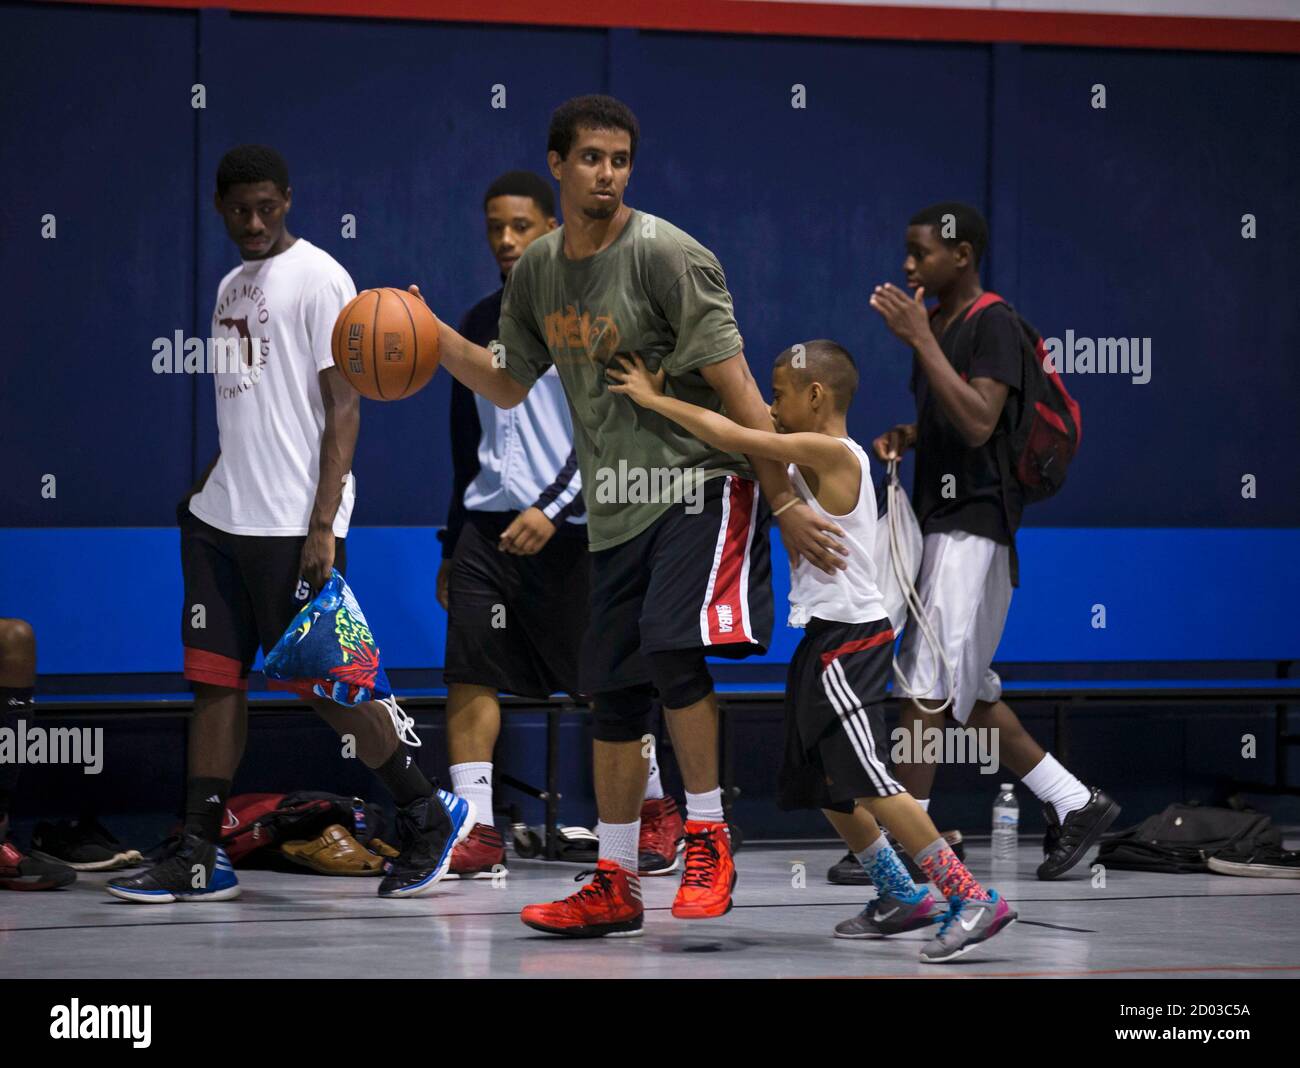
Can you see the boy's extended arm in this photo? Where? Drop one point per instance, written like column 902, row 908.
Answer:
column 804, row 533
column 817, row 451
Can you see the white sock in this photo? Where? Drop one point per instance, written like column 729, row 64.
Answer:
column 705, row 808
column 654, row 788
column 1055, row 786
column 618, row 842
column 924, row 802
column 473, row 782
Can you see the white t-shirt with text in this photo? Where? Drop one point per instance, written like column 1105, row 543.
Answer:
column 270, row 413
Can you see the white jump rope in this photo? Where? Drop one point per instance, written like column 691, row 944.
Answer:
column 905, row 561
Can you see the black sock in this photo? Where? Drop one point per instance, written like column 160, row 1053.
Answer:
column 205, row 807
column 15, row 704
column 403, row 777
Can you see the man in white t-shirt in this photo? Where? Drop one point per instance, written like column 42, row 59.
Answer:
column 262, row 528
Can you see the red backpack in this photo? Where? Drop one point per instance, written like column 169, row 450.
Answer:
column 1049, row 427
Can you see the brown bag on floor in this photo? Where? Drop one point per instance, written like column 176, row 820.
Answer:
column 335, row 852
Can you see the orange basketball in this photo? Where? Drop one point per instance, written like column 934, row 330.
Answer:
column 386, row 343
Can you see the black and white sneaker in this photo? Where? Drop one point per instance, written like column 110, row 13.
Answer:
column 84, row 846
column 1069, row 841
column 197, row 870
column 847, row 872
column 1257, row 862
column 427, row 832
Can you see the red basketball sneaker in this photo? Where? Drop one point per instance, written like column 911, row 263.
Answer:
column 710, row 875
column 608, row 905
column 480, row 855
column 661, row 831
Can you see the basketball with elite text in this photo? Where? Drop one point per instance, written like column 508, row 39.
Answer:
column 385, row 342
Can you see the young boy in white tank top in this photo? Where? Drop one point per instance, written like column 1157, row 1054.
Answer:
column 836, row 747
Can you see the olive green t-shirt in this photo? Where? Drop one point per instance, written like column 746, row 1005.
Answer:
column 655, row 291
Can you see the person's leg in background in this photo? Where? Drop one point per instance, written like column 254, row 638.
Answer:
column 17, row 706
column 473, row 727
column 966, row 588
column 219, row 638
column 662, row 829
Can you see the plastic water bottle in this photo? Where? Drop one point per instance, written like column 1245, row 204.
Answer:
column 1006, row 824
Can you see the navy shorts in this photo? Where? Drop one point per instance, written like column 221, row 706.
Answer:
column 515, row 623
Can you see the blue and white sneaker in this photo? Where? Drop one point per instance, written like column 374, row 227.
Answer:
column 427, row 832
column 197, row 870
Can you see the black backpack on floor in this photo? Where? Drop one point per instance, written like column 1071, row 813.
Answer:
column 1183, row 838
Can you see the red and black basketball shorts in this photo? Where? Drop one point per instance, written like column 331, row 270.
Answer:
column 836, row 745
column 694, row 579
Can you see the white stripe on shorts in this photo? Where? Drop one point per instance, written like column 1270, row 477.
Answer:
column 717, row 560
column 850, row 710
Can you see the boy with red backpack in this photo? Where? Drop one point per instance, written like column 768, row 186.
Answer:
column 995, row 430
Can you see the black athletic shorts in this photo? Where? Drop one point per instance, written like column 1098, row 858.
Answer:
column 836, row 745
column 691, row 580
column 248, row 589
column 515, row 623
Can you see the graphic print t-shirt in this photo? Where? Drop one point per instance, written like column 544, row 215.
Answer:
column 656, row 291
column 270, row 414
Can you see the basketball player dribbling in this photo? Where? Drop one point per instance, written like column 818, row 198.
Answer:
column 672, row 580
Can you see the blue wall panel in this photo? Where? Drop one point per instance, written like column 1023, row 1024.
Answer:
column 96, row 129
column 109, row 601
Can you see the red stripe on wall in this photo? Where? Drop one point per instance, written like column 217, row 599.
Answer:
column 810, row 20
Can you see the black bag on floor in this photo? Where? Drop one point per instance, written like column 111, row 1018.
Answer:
column 1182, row 838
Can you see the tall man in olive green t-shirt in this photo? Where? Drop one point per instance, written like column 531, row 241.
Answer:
column 677, row 529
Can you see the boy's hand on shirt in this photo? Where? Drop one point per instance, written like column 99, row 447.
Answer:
column 808, row 536
column 527, row 533
column 634, row 380
column 906, row 316
column 893, row 443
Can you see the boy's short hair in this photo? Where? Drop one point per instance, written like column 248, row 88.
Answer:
column 964, row 221
column 827, row 362
column 524, row 184
column 252, row 163
column 595, row 112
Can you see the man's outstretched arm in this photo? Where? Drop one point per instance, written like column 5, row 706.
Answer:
column 475, row 367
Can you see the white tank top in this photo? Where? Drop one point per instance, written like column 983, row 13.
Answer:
column 850, row 595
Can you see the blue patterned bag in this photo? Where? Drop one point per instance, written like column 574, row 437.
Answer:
column 330, row 649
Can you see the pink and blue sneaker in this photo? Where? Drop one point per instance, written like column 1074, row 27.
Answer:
column 890, row 914
column 970, row 922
